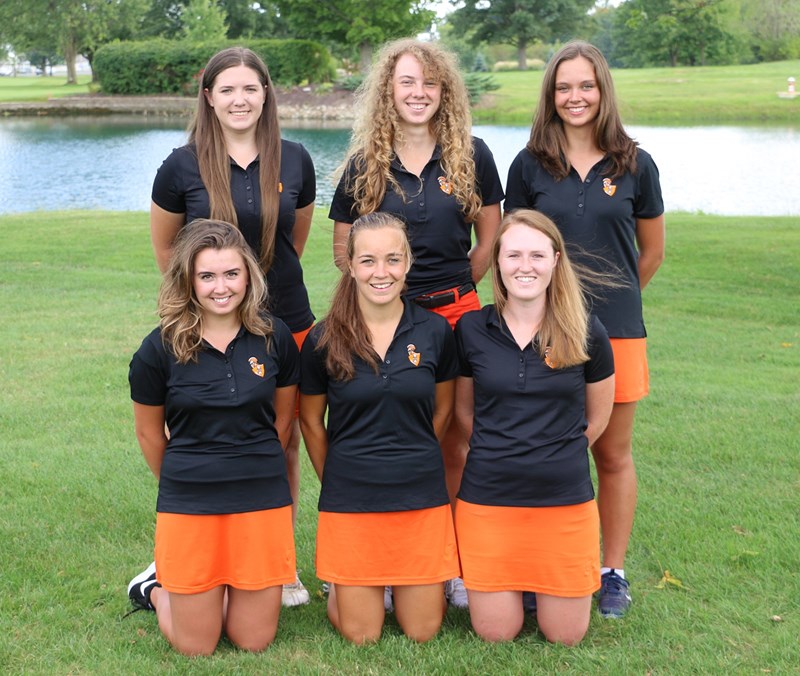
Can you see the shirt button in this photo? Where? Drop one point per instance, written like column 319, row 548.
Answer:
column 230, row 376
column 580, row 206
column 388, row 361
column 385, row 376
column 422, row 204
column 248, row 187
column 250, row 201
column 521, row 375
column 233, row 389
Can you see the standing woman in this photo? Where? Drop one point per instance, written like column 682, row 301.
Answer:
column 236, row 168
column 385, row 371
column 582, row 169
column 538, row 374
column 222, row 376
column 412, row 155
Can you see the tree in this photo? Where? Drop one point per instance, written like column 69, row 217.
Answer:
column 519, row 22
column 774, row 28
column 204, row 20
column 360, row 25
column 248, row 19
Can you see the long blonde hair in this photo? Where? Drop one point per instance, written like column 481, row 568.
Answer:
column 547, row 140
column 563, row 334
column 178, row 306
column 377, row 129
column 212, row 154
column 345, row 333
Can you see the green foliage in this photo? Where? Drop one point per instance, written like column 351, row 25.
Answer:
column 350, row 82
column 203, row 21
column 172, row 67
column 478, row 84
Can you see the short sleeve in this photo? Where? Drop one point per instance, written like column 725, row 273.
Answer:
column 313, row 374
column 486, row 174
column 517, row 193
column 308, row 190
column 601, row 358
column 168, row 192
column 464, row 367
column 148, row 373
column 343, row 205
column 649, row 202
column 447, row 368
column 287, row 354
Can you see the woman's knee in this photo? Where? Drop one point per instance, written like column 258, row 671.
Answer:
column 358, row 631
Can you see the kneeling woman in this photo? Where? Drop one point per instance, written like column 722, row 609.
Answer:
column 538, row 379
column 385, row 370
column 223, row 377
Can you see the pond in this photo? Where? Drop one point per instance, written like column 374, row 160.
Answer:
column 109, row 163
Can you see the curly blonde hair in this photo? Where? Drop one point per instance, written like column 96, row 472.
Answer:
column 377, row 129
column 178, row 307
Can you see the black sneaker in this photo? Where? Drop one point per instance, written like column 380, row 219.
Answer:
column 614, row 598
column 140, row 588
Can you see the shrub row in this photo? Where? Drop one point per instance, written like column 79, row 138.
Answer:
column 168, row 67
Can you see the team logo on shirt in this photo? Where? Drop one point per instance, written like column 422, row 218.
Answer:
column 552, row 363
column 445, row 185
column 413, row 355
column 280, row 186
column 255, row 367
column 608, row 187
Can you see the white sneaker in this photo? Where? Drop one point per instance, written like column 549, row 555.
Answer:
column 294, row 594
column 388, row 605
column 456, row 593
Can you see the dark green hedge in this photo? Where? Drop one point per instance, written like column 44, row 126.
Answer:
column 169, row 67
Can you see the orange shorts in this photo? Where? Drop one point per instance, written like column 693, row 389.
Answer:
column 299, row 339
column 453, row 312
column 387, row 548
column 551, row 550
column 250, row 550
column 632, row 376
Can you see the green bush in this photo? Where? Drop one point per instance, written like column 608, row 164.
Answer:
column 173, row 67
column 478, row 84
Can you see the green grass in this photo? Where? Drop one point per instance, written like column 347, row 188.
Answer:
column 716, row 446
column 40, row 88
column 667, row 96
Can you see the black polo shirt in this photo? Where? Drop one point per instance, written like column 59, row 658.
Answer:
column 223, row 455
column 178, row 188
column 440, row 235
column 383, row 455
column 598, row 216
column 528, row 447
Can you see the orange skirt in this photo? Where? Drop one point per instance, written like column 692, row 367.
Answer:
column 632, row 377
column 551, row 550
column 453, row 312
column 250, row 550
column 387, row 548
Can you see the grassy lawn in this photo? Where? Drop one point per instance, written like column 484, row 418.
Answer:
column 40, row 88
column 715, row 550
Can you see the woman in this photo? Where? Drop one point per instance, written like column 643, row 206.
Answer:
column 384, row 369
column 237, row 168
column 222, row 376
column 412, row 155
column 539, row 376
column 582, row 169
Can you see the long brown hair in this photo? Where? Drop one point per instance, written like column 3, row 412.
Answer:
column 345, row 333
column 212, row 155
column 178, row 306
column 564, row 329
column 547, row 140
column 377, row 128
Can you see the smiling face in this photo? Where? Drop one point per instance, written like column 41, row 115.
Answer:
column 577, row 96
column 219, row 281
column 416, row 97
column 526, row 261
column 379, row 265
column 237, row 97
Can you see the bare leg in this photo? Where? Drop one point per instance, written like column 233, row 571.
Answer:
column 252, row 618
column 616, row 474
column 192, row 623
column 420, row 609
column 357, row 612
column 292, row 453
column 496, row 616
column 563, row 620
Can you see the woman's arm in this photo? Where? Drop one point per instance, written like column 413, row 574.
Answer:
column 599, row 402
column 312, row 425
column 465, row 405
column 151, row 434
column 443, row 407
column 164, row 226
column 486, row 226
column 340, row 232
column 284, row 403
column 302, row 227
column 650, row 240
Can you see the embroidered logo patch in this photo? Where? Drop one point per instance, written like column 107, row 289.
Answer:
column 445, row 185
column 608, row 187
column 413, row 355
column 255, row 367
column 552, row 363
column 280, row 186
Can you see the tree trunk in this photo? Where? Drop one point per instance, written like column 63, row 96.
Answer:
column 522, row 57
column 70, row 54
column 365, row 57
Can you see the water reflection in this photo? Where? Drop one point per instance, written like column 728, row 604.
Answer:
column 110, row 162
